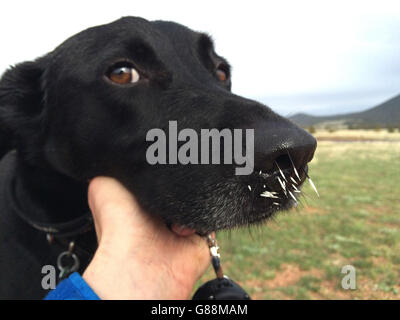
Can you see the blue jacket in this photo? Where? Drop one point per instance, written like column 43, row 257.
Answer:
column 72, row 288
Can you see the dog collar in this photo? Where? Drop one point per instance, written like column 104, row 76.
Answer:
column 68, row 229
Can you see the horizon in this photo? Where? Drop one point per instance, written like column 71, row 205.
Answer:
column 344, row 113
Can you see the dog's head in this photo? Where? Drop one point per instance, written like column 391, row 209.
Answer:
column 86, row 109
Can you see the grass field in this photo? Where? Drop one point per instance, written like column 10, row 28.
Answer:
column 356, row 221
column 382, row 134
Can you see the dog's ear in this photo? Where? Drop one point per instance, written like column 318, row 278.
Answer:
column 21, row 104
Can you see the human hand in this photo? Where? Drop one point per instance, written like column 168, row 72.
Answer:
column 138, row 257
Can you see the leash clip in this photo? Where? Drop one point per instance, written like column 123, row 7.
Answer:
column 222, row 287
column 68, row 262
column 215, row 256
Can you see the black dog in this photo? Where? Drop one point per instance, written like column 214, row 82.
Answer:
column 85, row 109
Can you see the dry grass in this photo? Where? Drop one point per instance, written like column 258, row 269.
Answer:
column 382, row 134
column 380, row 150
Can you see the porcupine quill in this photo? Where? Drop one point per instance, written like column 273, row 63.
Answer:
column 308, row 177
column 267, row 194
column 294, row 167
column 312, row 183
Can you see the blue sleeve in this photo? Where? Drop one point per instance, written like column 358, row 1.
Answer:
column 72, row 288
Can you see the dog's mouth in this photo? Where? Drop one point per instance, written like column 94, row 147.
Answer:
column 275, row 189
column 263, row 194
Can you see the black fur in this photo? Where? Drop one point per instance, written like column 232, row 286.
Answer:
column 69, row 124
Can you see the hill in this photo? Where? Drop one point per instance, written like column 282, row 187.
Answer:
column 386, row 114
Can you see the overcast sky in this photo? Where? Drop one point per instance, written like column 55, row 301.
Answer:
column 319, row 57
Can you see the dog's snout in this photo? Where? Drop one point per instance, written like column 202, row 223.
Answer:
column 282, row 143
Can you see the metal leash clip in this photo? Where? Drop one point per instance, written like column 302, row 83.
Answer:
column 67, row 262
column 221, row 288
column 215, row 256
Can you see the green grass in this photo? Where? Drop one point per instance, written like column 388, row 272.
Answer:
column 356, row 221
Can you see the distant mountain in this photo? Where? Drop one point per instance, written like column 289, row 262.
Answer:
column 386, row 114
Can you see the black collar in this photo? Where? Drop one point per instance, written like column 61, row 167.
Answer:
column 67, row 229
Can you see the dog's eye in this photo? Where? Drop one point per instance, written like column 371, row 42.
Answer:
column 123, row 75
column 221, row 73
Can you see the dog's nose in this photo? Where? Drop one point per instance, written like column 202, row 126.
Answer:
column 279, row 142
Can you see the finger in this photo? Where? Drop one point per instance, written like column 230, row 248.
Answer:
column 182, row 231
column 200, row 252
column 106, row 192
column 117, row 213
column 113, row 207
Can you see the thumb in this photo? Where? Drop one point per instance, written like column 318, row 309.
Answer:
column 113, row 207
